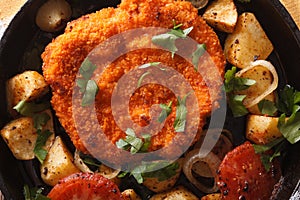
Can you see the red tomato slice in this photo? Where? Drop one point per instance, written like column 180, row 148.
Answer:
column 85, row 186
column 242, row 175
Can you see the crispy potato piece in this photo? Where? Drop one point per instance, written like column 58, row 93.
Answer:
column 159, row 186
column 264, row 79
column 216, row 196
column 58, row 163
column 20, row 136
column 130, row 194
column 27, row 86
column 262, row 129
column 247, row 43
column 222, row 15
column 176, row 193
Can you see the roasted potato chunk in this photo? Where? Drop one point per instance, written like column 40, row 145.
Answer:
column 247, row 43
column 58, row 163
column 262, row 129
column 27, row 86
column 20, row 136
column 156, row 185
column 216, row 196
column 222, row 15
column 130, row 194
column 176, row 193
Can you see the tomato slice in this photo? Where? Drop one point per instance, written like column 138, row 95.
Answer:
column 85, row 186
column 242, row 175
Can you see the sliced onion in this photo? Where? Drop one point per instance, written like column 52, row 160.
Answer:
column 108, row 172
column 80, row 164
column 212, row 160
column 249, row 102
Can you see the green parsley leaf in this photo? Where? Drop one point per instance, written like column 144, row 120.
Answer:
column 167, row 40
column 236, row 105
column 41, row 140
column 164, row 173
column 29, row 108
column 40, row 120
column 233, row 83
column 90, row 93
column 34, row 193
column 181, row 111
column 263, row 148
column 133, row 143
column 87, row 69
column 201, row 48
column 147, row 142
column 288, row 100
column 290, row 128
column 267, row 107
column 142, row 78
column 165, row 112
column 81, row 83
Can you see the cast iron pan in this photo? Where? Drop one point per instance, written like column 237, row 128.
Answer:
column 23, row 42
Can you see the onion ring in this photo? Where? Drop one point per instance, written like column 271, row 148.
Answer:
column 212, row 160
column 249, row 102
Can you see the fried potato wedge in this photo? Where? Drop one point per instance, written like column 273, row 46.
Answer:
column 58, row 163
column 20, row 136
column 176, row 193
column 247, row 43
column 222, row 15
column 262, row 129
column 27, row 86
column 130, row 194
column 216, row 196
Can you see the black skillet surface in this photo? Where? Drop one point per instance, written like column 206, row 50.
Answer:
column 23, row 42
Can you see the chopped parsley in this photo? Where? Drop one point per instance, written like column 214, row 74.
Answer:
column 267, row 107
column 288, row 104
column 40, row 119
column 233, row 84
column 87, row 86
column 165, row 112
column 181, row 111
column 34, row 193
column 41, row 140
column 145, row 170
column 133, row 143
column 201, row 48
column 167, row 40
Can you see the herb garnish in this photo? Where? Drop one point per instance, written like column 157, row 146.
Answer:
column 181, row 111
column 34, row 193
column 41, row 140
column 287, row 103
column 267, row 107
column 87, row 86
column 201, row 48
column 233, row 84
column 133, row 143
column 167, row 40
column 29, row 108
column 165, row 112
column 40, row 119
column 146, row 171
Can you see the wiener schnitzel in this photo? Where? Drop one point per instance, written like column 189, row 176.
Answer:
column 63, row 57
